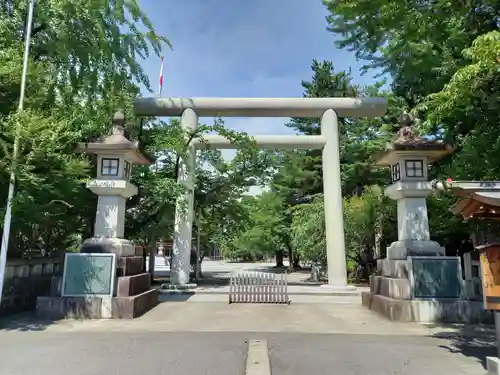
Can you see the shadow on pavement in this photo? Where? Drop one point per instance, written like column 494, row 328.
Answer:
column 278, row 270
column 24, row 322
column 473, row 341
column 180, row 296
column 212, row 279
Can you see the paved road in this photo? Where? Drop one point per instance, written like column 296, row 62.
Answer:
column 202, row 335
column 198, row 338
column 224, row 353
column 215, row 268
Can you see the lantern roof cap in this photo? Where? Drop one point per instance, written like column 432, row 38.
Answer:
column 117, row 142
column 407, row 142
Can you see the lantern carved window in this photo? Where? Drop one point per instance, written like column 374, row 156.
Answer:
column 109, row 166
column 414, row 168
column 396, row 172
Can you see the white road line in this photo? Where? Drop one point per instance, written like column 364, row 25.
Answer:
column 258, row 358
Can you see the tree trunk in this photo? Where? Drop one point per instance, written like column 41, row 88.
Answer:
column 290, row 256
column 279, row 258
column 296, row 261
column 293, row 259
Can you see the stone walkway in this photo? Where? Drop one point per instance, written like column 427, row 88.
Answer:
column 217, row 273
column 346, row 316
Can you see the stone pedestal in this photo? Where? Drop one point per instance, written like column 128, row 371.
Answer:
column 392, row 294
column 132, row 298
column 400, row 250
column 121, row 247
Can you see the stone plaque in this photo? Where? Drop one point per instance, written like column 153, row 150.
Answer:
column 89, row 274
column 436, row 277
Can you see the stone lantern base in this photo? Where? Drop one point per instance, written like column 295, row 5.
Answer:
column 392, row 295
column 403, row 249
column 134, row 297
column 121, row 247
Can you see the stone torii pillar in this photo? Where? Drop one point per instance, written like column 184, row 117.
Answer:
column 184, row 208
column 327, row 109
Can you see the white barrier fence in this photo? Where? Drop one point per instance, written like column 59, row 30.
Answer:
column 258, row 287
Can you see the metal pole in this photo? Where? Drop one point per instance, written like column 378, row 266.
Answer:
column 160, row 83
column 198, row 246
column 497, row 329
column 12, row 183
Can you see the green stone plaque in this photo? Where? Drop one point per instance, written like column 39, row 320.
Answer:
column 89, row 274
column 436, row 277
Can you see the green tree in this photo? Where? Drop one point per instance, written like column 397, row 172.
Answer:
column 308, row 231
column 369, row 224
column 84, row 63
column 265, row 229
column 360, row 139
column 419, row 43
column 467, row 112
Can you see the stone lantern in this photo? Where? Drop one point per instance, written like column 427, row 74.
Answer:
column 416, row 282
column 115, row 157
column 106, row 279
column 409, row 157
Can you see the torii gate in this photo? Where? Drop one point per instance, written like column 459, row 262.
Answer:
column 328, row 109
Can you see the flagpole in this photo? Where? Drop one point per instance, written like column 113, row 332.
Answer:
column 160, row 86
column 15, row 151
column 160, row 83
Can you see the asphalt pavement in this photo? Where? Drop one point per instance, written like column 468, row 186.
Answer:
column 204, row 335
column 225, row 353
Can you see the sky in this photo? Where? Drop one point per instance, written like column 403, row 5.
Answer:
column 241, row 48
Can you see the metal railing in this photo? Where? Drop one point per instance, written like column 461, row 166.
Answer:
column 258, row 287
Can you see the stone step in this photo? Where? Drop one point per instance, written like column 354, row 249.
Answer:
column 132, row 285
column 390, row 287
column 96, row 307
column 131, row 265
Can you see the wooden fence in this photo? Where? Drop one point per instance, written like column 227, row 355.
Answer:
column 258, row 287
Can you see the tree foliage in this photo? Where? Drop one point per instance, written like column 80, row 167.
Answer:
column 84, row 64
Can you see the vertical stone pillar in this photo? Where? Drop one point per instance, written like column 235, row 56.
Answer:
column 413, row 221
column 181, row 248
column 110, row 217
column 332, row 190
